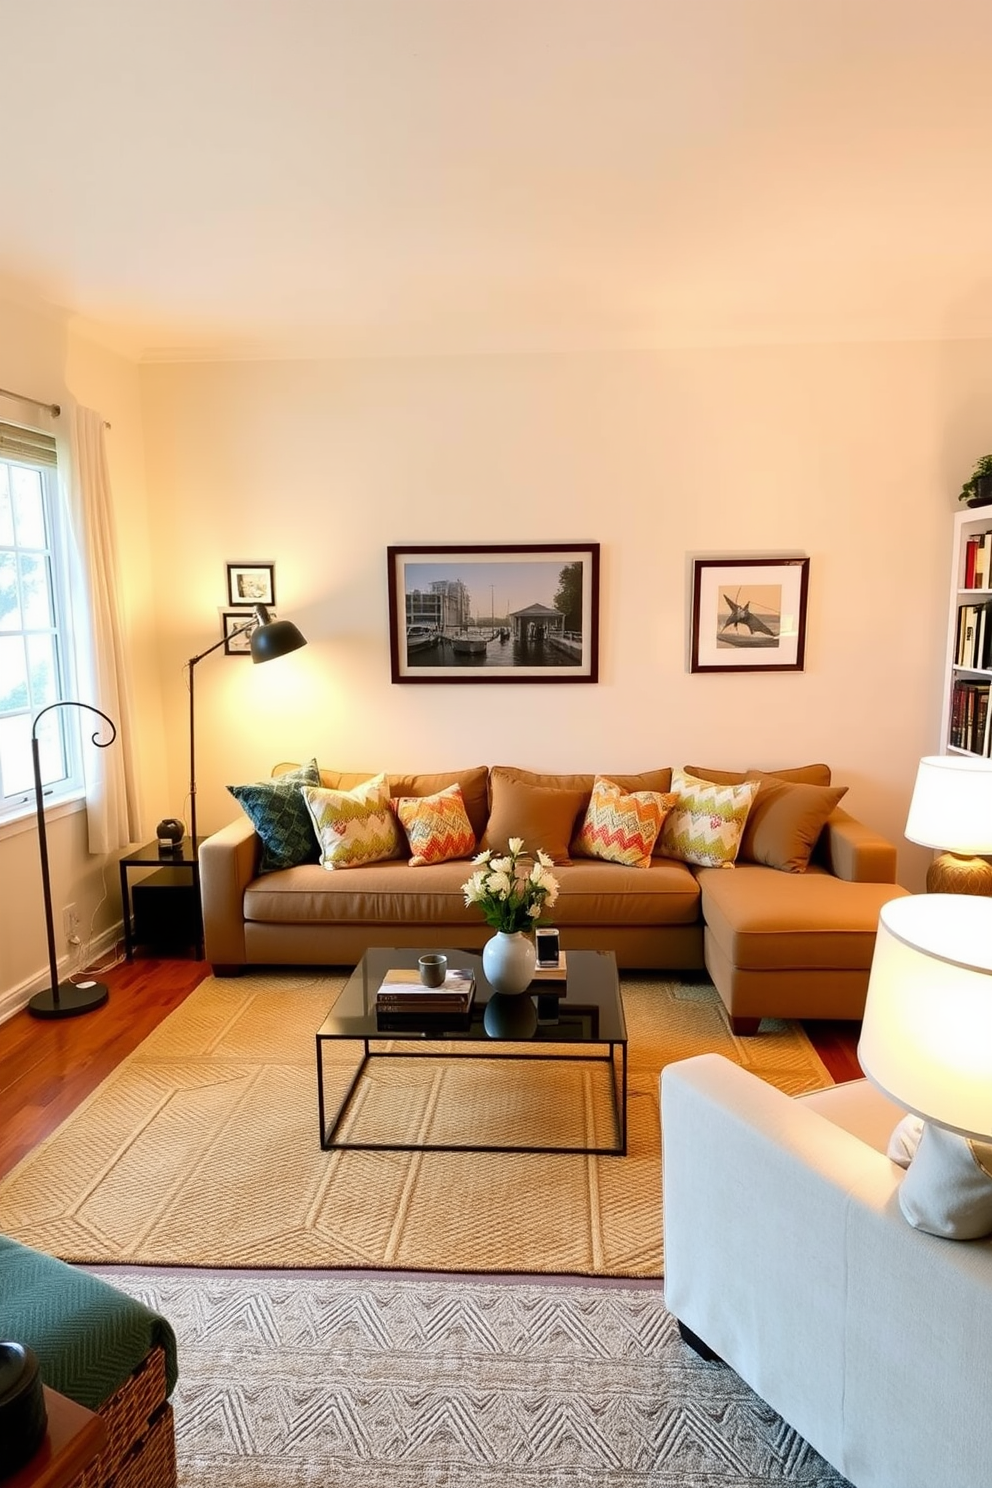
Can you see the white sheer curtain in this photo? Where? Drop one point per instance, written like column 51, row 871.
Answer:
column 102, row 668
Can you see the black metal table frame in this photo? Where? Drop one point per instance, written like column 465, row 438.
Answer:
column 149, row 856
column 327, row 1135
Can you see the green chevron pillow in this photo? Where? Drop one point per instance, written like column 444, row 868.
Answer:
column 706, row 824
column 353, row 827
column 279, row 815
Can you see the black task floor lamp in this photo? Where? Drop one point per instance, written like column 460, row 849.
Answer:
column 65, row 999
column 269, row 639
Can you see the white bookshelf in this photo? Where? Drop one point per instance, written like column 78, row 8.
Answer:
column 960, row 677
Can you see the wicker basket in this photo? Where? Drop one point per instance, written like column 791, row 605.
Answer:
column 141, row 1444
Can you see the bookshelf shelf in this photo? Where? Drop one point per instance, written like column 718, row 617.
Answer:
column 966, row 719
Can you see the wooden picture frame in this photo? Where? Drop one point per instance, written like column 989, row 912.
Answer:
column 749, row 614
column 251, row 583
column 502, row 612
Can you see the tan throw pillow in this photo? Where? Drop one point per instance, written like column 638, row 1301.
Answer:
column 785, row 821
column 437, row 827
column 353, row 827
column 543, row 817
column 706, row 824
column 622, row 827
column 798, row 774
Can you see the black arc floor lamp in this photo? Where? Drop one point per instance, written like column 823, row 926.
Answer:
column 61, row 999
column 269, row 639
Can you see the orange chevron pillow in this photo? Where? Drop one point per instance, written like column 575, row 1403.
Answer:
column 622, row 828
column 437, row 826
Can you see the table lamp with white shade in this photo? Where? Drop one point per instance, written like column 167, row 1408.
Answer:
column 951, row 811
column 926, row 1043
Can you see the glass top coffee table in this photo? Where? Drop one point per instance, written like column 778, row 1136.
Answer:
column 578, row 1023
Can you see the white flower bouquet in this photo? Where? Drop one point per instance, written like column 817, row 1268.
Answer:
column 512, row 889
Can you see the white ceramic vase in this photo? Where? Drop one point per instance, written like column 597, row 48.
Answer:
column 508, row 960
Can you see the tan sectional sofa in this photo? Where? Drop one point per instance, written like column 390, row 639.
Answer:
column 776, row 943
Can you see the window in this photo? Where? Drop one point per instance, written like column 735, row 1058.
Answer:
column 35, row 664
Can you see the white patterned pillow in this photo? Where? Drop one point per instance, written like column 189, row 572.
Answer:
column 706, row 824
column 353, row 827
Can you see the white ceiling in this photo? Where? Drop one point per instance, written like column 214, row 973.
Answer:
column 201, row 178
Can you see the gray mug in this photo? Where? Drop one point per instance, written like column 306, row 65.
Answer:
column 433, row 969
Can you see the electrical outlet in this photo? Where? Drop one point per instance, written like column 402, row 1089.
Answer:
column 70, row 924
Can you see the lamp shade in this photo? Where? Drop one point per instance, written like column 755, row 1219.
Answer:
column 951, row 807
column 926, row 1038
column 272, row 638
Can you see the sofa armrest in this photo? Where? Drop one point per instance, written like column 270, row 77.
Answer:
column 755, row 1213
column 855, row 852
column 228, row 863
column 786, row 1252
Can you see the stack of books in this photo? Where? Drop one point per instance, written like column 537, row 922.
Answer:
column 404, row 1004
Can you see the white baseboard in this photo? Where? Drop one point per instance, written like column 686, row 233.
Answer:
column 15, row 998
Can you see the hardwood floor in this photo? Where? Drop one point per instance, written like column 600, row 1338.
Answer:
column 47, row 1067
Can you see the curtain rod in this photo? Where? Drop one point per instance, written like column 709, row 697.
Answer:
column 53, row 408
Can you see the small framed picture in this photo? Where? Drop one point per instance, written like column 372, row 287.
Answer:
column 238, row 626
column 749, row 614
column 251, row 583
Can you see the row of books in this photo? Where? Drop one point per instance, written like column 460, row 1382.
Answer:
column 403, row 1002
column 973, row 645
column 978, row 561
column 970, row 718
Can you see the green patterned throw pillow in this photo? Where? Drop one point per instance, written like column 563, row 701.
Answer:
column 706, row 824
column 353, row 827
column 279, row 815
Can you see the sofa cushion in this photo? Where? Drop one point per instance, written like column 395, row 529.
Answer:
column 436, row 826
column 798, row 774
column 353, row 826
column 389, row 893
column 763, row 920
column 622, row 827
column 706, row 823
column 474, row 784
column 279, row 815
column 544, row 817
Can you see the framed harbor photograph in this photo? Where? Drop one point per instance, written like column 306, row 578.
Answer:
column 251, row 583
column 748, row 614
column 494, row 613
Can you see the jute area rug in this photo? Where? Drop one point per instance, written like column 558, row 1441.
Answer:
column 202, row 1148
column 395, row 1383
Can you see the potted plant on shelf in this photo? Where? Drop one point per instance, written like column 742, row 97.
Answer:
column 977, row 489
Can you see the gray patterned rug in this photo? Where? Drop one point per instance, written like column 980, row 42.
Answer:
column 378, row 1381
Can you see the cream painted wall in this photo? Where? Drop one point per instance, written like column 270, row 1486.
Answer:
column 40, row 357
column 852, row 454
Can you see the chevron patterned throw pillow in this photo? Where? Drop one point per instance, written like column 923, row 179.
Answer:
column 353, row 827
column 622, row 828
column 437, row 826
column 706, row 824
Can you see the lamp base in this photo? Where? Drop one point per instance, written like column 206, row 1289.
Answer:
column 70, row 1001
column 950, row 874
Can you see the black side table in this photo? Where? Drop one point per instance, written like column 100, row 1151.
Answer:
column 165, row 905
